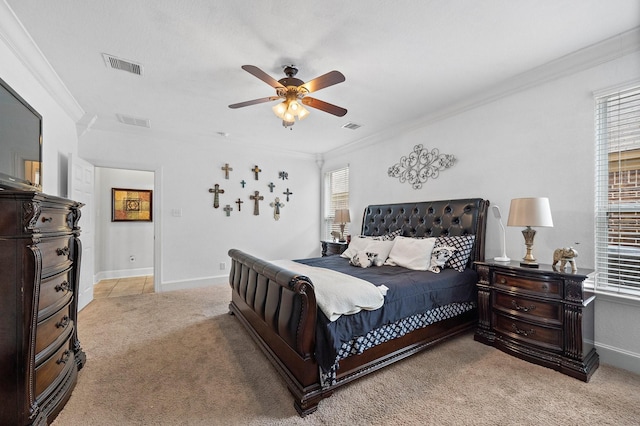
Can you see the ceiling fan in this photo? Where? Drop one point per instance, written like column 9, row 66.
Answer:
column 294, row 93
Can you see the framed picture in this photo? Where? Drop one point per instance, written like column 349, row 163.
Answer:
column 131, row 205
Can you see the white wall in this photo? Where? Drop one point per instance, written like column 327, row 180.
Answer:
column 117, row 242
column 537, row 142
column 194, row 244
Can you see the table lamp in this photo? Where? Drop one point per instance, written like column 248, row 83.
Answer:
column 342, row 217
column 530, row 212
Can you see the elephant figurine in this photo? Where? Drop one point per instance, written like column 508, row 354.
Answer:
column 564, row 256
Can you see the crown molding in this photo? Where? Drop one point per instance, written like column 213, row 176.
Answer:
column 588, row 57
column 17, row 38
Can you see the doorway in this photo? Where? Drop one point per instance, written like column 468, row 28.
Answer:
column 125, row 250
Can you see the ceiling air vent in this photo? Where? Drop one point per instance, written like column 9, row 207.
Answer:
column 351, row 126
column 133, row 121
column 122, row 64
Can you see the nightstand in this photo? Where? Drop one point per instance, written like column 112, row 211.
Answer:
column 330, row 248
column 539, row 315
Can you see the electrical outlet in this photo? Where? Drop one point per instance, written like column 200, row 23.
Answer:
column 223, row 266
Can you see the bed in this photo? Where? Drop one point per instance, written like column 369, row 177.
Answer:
column 316, row 353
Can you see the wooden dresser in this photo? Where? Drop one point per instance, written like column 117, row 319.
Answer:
column 539, row 315
column 39, row 270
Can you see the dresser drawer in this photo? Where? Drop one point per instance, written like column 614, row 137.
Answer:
column 55, row 292
column 549, row 288
column 55, row 253
column 53, row 327
column 53, row 220
column 516, row 305
column 548, row 337
column 51, row 368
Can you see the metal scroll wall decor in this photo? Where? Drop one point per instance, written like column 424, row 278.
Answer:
column 420, row 165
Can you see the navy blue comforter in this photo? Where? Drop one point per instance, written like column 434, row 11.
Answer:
column 410, row 292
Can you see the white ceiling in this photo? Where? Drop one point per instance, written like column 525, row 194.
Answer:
column 403, row 59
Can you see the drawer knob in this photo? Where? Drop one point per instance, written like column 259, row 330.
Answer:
column 545, row 286
column 521, row 308
column 63, row 322
column 63, row 251
column 64, row 358
column 502, row 281
column 46, row 219
column 63, row 286
column 522, row 332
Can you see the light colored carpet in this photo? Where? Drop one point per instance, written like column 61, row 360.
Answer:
column 178, row 358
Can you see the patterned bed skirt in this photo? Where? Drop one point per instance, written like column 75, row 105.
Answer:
column 392, row 331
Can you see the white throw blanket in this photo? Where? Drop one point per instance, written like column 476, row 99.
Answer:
column 337, row 293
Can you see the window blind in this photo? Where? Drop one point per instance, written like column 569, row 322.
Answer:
column 617, row 216
column 337, row 197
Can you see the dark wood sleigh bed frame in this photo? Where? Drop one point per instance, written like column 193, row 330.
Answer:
column 278, row 307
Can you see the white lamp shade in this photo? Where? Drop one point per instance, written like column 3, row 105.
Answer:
column 530, row 212
column 342, row 216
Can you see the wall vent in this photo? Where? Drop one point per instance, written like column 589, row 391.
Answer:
column 133, row 121
column 122, row 64
column 351, row 126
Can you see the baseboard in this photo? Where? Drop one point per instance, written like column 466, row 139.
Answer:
column 619, row 358
column 122, row 273
column 194, row 283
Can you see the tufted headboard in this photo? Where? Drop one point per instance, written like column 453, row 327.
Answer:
column 431, row 219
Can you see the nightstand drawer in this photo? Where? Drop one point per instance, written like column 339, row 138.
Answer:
column 547, row 287
column 548, row 337
column 518, row 306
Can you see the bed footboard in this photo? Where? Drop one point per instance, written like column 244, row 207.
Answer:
column 278, row 309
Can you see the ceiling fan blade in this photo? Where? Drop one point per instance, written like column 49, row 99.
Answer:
column 326, row 80
column 323, row 106
column 251, row 69
column 253, row 102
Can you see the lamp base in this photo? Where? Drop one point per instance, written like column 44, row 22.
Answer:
column 502, row 259
column 526, row 264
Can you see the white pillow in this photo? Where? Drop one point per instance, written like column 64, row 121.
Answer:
column 356, row 245
column 368, row 244
column 381, row 248
column 411, row 253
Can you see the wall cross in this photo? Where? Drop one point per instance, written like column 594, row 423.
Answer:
column 239, row 203
column 243, row 183
column 227, row 209
column 216, row 190
column 283, row 175
column 256, row 170
column 256, row 197
column 271, row 186
column 287, row 194
column 276, row 208
column 227, row 169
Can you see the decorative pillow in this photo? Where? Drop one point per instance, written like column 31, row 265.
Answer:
column 439, row 257
column 381, row 249
column 363, row 259
column 463, row 245
column 411, row 253
column 390, row 236
column 357, row 244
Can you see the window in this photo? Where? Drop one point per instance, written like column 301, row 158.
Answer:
column 336, row 189
column 618, row 192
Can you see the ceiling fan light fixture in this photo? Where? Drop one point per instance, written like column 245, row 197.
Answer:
column 302, row 113
column 280, row 109
column 289, row 117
